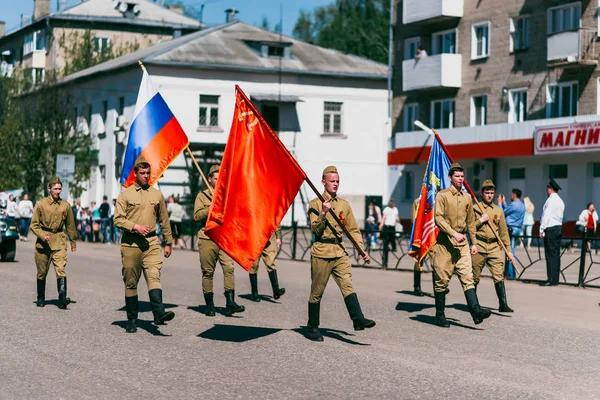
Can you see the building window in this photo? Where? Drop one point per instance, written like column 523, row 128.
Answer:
column 34, row 41
column 275, row 51
column 519, row 34
column 411, row 113
column 561, row 100
column 558, row 171
column 332, row 117
column 442, row 114
column 209, row 110
column 121, row 110
column 478, row 110
column 596, row 170
column 408, row 185
column 480, row 40
column 105, row 114
column 444, row 42
column 517, row 103
column 101, row 45
column 564, row 18
column 516, row 173
column 34, row 76
column 410, row 47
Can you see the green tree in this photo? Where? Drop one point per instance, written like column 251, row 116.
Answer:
column 359, row 27
column 35, row 126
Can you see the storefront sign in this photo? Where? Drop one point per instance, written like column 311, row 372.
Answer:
column 567, row 138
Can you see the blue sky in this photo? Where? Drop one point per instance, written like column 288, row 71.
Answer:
column 251, row 11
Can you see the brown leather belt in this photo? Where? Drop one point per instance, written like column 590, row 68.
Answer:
column 486, row 240
column 131, row 234
column 48, row 229
column 328, row 241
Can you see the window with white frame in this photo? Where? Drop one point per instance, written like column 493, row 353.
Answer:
column 411, row 113
column 34, row 41
column 410, row 47
column 561, row 100
column 478, row 110
column 101, row 45
column 444, row 42
column 34, row 76
column 564, row 18
column 517, row 105
column 442, row 114
column 209, row 110
column 332, row 117
column 519, row 33
column 480, row 40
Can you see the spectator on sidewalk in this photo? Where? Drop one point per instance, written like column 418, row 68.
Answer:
column 104, row 211
column 11, row 209
column 175, row 211
column 95, row 221
column 514, row 215
column 387, row 225
column 528, row 221
column 587, row 221
column 551, row 232
column 25, row 210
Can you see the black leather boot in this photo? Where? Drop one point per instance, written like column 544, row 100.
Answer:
column 277, row 291
column 41, row 293
column 440, row 306
column 158, row 308
column 477, row 312
column 254, row 286
column 501, row 292
column 417, row 284
column 314, row 315
column 358, row 319
column 231, row 306
column 210, row 304
column 63, row 300
column 131, row 306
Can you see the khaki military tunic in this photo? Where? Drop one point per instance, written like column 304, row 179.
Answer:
column 328, row 253
column 453, row 214
column 209, row 251
column 490, row 253
column 268, row 254
column 139, row 206
column 50, row 218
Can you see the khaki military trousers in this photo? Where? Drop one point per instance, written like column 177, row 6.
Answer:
column 320, row 271
column 446, row 259
column 268, row 256
column 135, row 261
column 43, row 256
column 209, row 254
column 494, row 260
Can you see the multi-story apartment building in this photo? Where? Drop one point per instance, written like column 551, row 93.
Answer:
column 114, row 24
column 513, row 89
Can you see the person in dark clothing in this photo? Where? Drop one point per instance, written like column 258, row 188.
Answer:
column 104, row 219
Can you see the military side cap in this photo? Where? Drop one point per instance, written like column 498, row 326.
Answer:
column 488, row 184
column 554, row 185
column 213, row 169
column 456, row 166
column 330, row 169
column 55, row 180
column 140, row 160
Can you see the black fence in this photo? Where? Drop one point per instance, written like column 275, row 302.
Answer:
column 580, row 262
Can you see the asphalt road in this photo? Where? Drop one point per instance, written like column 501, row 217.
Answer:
column 547, row 349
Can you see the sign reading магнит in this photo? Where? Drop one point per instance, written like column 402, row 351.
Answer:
column 567, row 138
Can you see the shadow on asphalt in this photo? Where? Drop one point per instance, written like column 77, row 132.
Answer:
column 145, row 306
column 148, row 326
column 430, row 319
column 412, row 307
column 411, row 293
column 332, row 334
column 219, row 310
column 236, row 333
column 263, row 297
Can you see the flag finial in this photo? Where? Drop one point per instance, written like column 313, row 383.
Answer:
column 142, row 66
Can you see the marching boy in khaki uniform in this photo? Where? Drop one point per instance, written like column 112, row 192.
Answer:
column 51, row 216
column 489, row 252
column 137, row 210
column 210, row 253
column 454, row 217
column 329, row 255
column 268, row 255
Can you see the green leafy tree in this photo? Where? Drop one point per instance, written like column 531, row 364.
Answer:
column 359, row 27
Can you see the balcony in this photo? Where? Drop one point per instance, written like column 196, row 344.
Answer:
column 431, row 10
column 433, row 72
column 572, row 48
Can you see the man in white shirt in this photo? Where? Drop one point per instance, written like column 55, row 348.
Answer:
column 25, row 209
column 388, row 228
column 551, row 232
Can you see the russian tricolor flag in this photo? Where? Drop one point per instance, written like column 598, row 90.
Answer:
column 155, row 134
